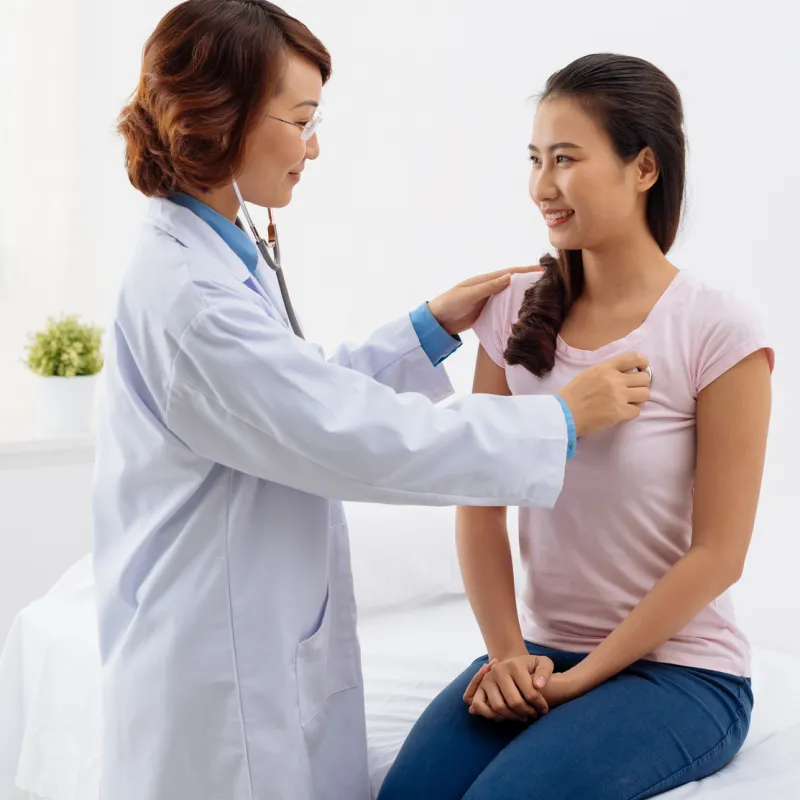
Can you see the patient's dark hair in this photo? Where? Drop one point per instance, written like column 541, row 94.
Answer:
column 638, row 106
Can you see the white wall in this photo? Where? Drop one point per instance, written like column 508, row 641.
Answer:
column 423, row 176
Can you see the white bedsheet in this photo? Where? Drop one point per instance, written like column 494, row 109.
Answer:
column 50, row 710
column 409, row 657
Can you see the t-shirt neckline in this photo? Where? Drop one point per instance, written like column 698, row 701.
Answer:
column 627, row 342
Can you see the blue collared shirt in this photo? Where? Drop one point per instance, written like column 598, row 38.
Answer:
column 233, row 236
column 436, row 342
column 571, row 432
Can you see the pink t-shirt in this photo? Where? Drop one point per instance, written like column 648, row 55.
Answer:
column 624, row 516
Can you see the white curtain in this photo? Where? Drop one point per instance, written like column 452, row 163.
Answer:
column 66, row 211
column 38, row 146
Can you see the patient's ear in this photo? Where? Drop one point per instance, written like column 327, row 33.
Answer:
column 647, row 170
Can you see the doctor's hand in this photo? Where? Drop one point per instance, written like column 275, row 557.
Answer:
column 457, row 309
column 512, row 689
column 608, row 393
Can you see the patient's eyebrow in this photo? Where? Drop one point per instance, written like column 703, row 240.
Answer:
column 557, row 146
column 312, row 103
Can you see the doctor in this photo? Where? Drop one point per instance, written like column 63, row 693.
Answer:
column 231, row 665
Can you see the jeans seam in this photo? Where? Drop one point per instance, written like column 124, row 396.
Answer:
column 739, row 722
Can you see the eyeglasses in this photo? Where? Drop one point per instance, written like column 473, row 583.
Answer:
column 307, row 129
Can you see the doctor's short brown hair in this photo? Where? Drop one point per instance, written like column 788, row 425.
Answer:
column 207, row 71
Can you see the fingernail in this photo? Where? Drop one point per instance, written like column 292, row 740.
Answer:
column 540, row 681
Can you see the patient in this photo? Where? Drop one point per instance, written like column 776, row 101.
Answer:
column 625, row 595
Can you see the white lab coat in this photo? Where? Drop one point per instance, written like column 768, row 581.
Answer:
column 231, row 665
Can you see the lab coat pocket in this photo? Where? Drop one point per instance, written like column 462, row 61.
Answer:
column 327, row 661
column 312, row 668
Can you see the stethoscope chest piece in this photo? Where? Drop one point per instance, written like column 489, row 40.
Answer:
column 648, row 370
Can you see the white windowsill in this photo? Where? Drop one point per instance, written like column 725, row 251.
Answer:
column 46, row 452
column 43, row 451
column 23, row 444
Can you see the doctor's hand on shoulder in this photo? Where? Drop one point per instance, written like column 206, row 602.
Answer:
column 458, row 308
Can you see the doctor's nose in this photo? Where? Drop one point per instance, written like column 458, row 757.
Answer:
column 312, row 148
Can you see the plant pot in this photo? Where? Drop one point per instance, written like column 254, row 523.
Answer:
column 65, row 406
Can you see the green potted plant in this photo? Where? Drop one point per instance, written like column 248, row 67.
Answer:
column 65, row 358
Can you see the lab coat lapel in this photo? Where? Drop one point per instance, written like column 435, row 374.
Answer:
column 192, row 232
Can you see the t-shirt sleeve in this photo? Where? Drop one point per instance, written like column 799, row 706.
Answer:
column 728, row 332
column 493, row 326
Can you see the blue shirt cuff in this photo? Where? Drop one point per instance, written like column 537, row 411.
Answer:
column 437, row 343
column 573, row 437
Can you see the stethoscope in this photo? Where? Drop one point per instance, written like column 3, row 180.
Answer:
column 273, row 258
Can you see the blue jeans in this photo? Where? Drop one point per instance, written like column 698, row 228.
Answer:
column 650, row 729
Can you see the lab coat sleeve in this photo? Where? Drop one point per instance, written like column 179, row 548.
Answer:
column 244, row 392
column 394, row 357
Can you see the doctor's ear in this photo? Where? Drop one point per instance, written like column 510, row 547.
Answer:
column 647, row 169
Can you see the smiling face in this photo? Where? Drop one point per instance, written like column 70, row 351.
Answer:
column 587, row 195
column 275, row 153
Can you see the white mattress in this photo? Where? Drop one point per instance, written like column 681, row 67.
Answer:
column 409, row 657
column 50, row 711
